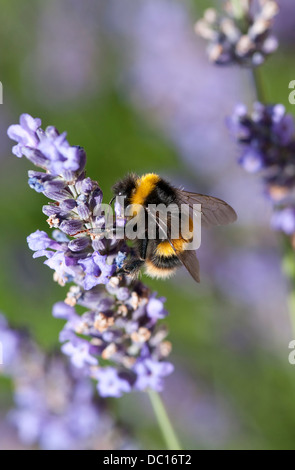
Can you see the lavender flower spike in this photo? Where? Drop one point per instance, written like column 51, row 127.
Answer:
column 266, row 138
column 120, row 323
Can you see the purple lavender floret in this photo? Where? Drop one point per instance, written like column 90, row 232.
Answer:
column 266, row 138
column 39, row 240
column 110, row 384
column 120, row 324
column 80, row 352
column 24, row 133
column 96, row 269
column 150, row 374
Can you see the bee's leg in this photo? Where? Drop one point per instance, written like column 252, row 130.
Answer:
column 132, row 267
column 143, row 249
column 107, row 250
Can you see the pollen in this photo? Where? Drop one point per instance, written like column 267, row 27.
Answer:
column 109, row 351
column 141, row 336
column 102, row 322
column 53, row 221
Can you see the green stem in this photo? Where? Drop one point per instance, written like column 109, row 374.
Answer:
column 258, row 86
column 289, row 271
column 238, row 10
column 164, row 421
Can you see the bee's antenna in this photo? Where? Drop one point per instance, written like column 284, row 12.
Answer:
column 112, row 200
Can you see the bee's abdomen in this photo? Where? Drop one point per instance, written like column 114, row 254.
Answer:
column 162, row 267
column 166, row 262
column 166, row 250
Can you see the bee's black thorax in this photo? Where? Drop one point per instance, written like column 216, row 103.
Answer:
column 162, row 193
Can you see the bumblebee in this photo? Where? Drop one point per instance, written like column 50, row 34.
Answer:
column 162, row 256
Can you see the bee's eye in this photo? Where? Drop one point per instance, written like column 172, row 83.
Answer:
column 120, row 194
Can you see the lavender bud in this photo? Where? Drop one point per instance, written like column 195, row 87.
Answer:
column 86, row 186
column 82, row 198
column 54, row 185
column 95, row 199
column 68, row 205
column 58, row 195
column 59, row 236
column 71, row 227
column 83, row 211
column 79, row 244
column 51, row 210
column 36, row 184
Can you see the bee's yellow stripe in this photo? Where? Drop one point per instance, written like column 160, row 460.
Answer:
column 144, row 187
column 165, row 249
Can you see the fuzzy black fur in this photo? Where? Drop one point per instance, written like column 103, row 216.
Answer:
column 125, row 187
column 163, row 193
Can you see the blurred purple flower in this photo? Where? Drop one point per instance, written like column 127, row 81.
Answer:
column 284, row 220
column 9, row 345
column 63, row 310
column 241, row 34
column 252, row 160
column 54, row 406
column 155, row 308
column 267, row 140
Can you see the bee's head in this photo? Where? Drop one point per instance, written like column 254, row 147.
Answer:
column 125, row 187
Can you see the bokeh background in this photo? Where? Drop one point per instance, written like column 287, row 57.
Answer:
column 130, row 82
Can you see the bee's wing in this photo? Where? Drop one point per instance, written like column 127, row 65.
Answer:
column 190, row 261
column 188, row 258
column 164, row 229
column 214, row 210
